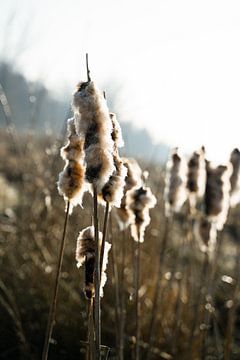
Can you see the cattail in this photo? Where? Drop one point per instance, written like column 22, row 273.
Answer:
column 94, row 124
column 206, row 234
column 85, row 254
column 175, row 189
column 217, row 195
column 215, row 206
column 133, row 179
column 71, row 183
column 139, row 201
column 196, row 177
column 116, row 132
column 112, row 191
column 235, row 178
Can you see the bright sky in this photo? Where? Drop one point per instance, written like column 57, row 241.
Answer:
column 178, row 61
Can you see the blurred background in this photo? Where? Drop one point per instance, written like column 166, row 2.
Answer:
column 171, row 72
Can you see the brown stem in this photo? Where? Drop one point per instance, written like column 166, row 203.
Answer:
column 90, row 337
column 232, row 311
column 122, row 298
column 115, row 282
column 52, row 311
column 88, row 71
column 137, row 302
column 210, row 297
column 153, row 322
column 97, row 277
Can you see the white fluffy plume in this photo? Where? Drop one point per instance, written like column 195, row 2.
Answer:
column 175, row 193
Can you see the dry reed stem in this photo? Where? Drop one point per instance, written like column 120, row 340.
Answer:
column 90, row 337
column 52, row 311
column 115, row 281
column 200, row 300
column 153, row 321
column 137, row 301
column 232, row 311
column 122, row 298
column 210, row 296
column 97, row 277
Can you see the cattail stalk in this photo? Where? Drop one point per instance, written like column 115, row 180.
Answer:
column 137, row 300
column 52, row 312
column 97, row 277
column 122, row 297
column 153, row 321
column 115, row 281
column 90, row 336
column 209, row 304
column 232, row 311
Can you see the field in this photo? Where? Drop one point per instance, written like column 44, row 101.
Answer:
column 196, row 315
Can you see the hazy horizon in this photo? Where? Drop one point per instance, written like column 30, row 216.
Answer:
column 176, row 63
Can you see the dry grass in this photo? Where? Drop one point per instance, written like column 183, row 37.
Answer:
column 30, row 234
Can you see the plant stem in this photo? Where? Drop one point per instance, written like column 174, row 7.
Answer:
column 232, row 311
column 88, row 71
column 122, row 298
column 97, row 277
column 115, row 281
column 90, row 338
column 52, row 312
column 137, row 302
column 153, row 322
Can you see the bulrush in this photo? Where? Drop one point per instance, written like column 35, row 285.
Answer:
column 215, row 206
column 139, row 201
column 133, row 179
column 196, row 177
column 217, row 194
column 175, row 189
column 94, row 124
column 85, row 254
column 235, row 178
column 112, row 192
column 206, row 234
column 71, row 179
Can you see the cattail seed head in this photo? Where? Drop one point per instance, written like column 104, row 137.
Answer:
column 113, row 190
column 206, row 234
column 217, row 194
column 235, row 178
column 71, row 184
column 139, row 201
column 196, row 177
column 93, row 122
column 85, row 254
column 175, row 189
column 132, row 179
column 116, row 132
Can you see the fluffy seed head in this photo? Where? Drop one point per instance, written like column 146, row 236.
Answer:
column 217, row 194
column 139, row 201
column 235, row 178
column 114, row 188
column 71, row 183
column 93, row 122
column 85, row 254
column 175, row 183
column 196, row 177
column 133, row 179
column 206, row 234
column 116, row 132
